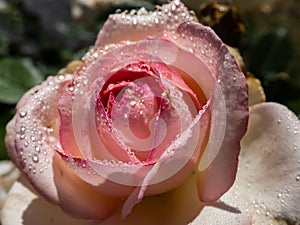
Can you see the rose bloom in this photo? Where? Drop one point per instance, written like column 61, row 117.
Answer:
column 147, row 129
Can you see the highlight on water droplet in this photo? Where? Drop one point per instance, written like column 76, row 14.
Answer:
column 35, row 158
column 23, row 113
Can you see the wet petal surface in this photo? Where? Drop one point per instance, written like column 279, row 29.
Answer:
column 269, row 163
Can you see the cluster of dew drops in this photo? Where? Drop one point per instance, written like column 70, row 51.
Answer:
column 34, row 129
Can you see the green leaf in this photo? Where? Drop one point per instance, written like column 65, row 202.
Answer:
column 16, row 77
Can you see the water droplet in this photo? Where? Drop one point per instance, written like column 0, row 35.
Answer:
column 61, row 77
column 38, row 149
column 95, row 54
column 22, row 130
column 23, row 113
column 33, row 138
column 132, row 103
column 234, row 79
column 71, row 88
column 298, row 177
column 279, row 195
column 35, row 158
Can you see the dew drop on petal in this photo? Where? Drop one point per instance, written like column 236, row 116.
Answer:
column 132, row 103
column 22, row 130
column 35, row 158
column 38, row 149
column 23, row 113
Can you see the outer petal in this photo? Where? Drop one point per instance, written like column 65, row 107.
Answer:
column 177, row 207
column 229, row 108
column 231, row 209
column 181, row 206
column 141, row 24
column 26, row 132
column 35, row 140
column 24, row 207
column 269, row 173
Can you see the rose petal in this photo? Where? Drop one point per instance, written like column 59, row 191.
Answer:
column 180, row 157
column 177, row 207
column 36, row 138
column 79, row 199
column 181, row 206
column 35, row 131
column 66, row 134
column 203, row 42
column 269, row 171
column 24, row 206
column 231, row 209
column 141, row 24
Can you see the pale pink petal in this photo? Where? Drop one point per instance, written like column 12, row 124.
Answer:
column 230, row 92
column 66, row 134
column 36, row 131
column 177, row 162
column 23, row 206
column 36, row 138
column 138, row 25
column 269, row 170
column 78, row 198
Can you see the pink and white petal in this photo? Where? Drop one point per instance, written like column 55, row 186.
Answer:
column 33, row 132
column 175, row 164
column 24, row 206
column 269, row 171
column 66, row 135
column 231, row 209
column 138, row 25
column 36, row 138
column 78, row 198
column 218, row 172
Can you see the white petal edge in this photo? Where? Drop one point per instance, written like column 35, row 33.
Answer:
column 231, row 209
column 269, row 169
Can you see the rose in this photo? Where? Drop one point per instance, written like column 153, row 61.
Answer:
column 136, row 115
column 68, row 128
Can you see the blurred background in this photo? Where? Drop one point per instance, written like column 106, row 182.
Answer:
column 37, row 38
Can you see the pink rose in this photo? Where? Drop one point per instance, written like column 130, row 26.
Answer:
column 148, row 127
